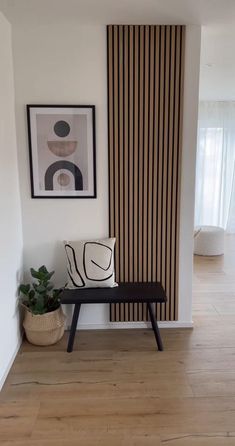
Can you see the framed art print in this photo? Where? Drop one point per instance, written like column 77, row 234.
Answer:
column 62, row 151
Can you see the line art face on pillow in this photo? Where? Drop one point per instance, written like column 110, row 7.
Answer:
column 97, row 261
column 72, row 269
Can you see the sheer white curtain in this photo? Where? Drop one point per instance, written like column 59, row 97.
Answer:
column 215, row 175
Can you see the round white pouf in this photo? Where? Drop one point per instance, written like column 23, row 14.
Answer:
column 209, row 241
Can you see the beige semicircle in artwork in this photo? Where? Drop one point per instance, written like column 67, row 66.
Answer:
column 62, row 148
column 63, row 179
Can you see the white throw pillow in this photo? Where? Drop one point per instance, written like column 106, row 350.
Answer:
column 90, row 263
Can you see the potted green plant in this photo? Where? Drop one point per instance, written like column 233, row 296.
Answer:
column 44, row 319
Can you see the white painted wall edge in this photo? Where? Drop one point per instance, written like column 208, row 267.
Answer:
column 10, row 223
column 130, row 325
column 10, row 363
column 188, row 169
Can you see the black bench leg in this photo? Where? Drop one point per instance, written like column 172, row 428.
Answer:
column 155, row 327
column 73, row 327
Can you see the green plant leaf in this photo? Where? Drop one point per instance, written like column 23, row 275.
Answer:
column 35, row 273
column 57, row 292
column 41, row 289
column 24, row 289
column 49, row 275
column 31, row 294
column 39, row 307
column 40, row 297
column 43, row 269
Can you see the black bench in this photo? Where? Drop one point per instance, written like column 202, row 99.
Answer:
column 148, row 293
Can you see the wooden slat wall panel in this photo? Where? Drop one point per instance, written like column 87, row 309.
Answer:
column 145, row 89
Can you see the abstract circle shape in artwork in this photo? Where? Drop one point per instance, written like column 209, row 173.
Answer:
column 62, row 148
column 63, row 179
column 65, row 165
column 61, row 129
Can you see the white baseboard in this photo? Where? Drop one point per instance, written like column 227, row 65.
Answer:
column 130, row 325
column 7, row 370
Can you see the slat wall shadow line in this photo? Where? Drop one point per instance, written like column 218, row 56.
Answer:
column 145, row 99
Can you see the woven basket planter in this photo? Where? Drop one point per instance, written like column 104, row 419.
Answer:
column 44, row 329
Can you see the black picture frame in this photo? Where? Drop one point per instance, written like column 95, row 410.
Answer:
column 55, row 153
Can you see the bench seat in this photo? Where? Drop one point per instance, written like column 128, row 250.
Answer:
column 144, row 292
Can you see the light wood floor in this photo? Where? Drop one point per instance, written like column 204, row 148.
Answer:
column 214, row 283
column 115, row 389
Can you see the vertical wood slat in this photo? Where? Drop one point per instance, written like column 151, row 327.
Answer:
column 166, row 167
column 136, row 162
column 110, row 76
column 126, row 155
column 160, row 160
column 116, row 155
column 145, row 87
column 180, row 139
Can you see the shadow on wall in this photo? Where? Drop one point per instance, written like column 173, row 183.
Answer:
column 50, row 255
column 19, row 311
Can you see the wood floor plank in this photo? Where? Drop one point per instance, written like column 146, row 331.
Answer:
column 94, row 439
column 213, row 383
column 17, row 419
column 202, row 439
column 117, row 389
column 135, row 415
column 44, row 386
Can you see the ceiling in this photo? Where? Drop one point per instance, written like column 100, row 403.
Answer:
column 120, row 11
column 217, row 79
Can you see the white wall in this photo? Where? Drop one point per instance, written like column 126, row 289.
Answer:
column 217, row 71
column 61, row 65
column 188, row 170
column 66, row 64
column 10, row 221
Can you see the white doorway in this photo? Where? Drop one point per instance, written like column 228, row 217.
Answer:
column 214, row 276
